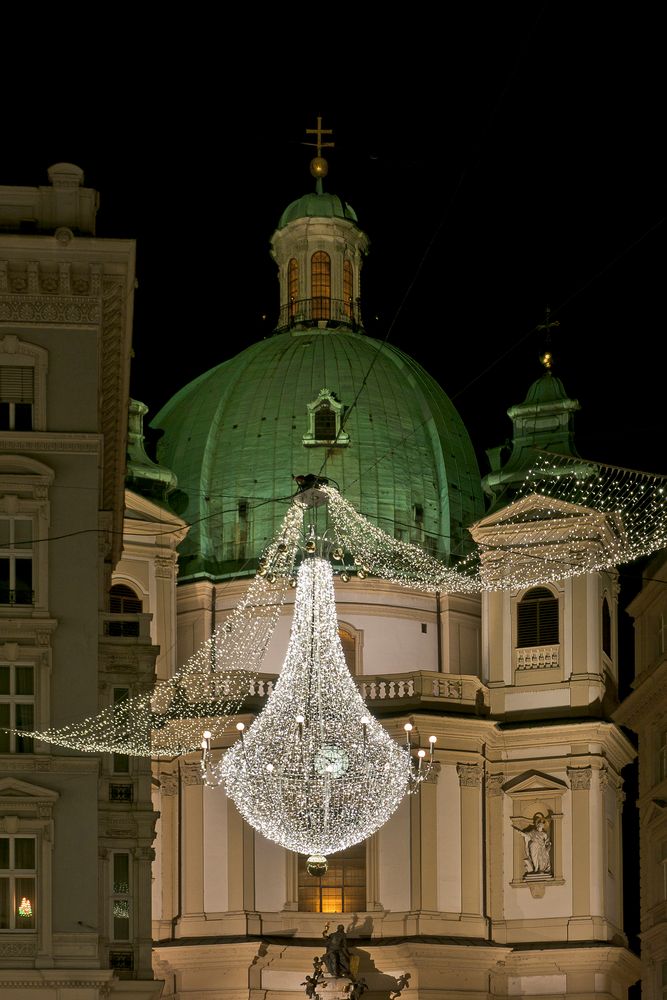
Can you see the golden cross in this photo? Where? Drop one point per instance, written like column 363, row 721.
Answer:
column 548, row 323
column 319, row 132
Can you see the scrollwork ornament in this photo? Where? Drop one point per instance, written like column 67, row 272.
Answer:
column 580, row 778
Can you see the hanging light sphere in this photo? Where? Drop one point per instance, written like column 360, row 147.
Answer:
column 361, row 573
column 337, row 552
column 345, row 577
column 311, row 545
column 317, row 865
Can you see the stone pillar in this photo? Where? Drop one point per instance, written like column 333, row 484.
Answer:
column 495, row 846
column 192, row 827
column 581, row 925
column 424, row 839
column 470, row 780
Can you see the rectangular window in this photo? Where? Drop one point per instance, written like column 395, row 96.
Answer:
column 17, row 707
column 120, row 901
column 341, row 890
column 16, row 560
column 17, row 396
column 17, row 883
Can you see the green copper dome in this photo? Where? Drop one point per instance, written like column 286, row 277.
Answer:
column 238, row 434
column 319, row 205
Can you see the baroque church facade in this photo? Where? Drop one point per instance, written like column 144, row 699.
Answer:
column 124, row 877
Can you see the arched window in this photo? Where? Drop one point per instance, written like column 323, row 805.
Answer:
column 123, row 601
column 292, row 285
column 537, row 619
column 606, row 628
column 320, row 284
column 341, row 890
column 348, row 288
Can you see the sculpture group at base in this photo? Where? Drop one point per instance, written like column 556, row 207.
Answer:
column 338, row 962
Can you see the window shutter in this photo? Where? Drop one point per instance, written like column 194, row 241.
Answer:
column 17, row 384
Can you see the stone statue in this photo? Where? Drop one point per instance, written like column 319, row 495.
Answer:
column 311, row 983
column 356, row 989
column 402, row 983
column 337, row 956
column 537, row 842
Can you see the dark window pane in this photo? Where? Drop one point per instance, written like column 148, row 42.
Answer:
column 4, row 853
column 4, row 417
column 4, row 903
column 4, row 679
column 23, row 417
column 25, row 680
column 24, row 853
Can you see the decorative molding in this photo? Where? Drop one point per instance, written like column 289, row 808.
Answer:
column 580, row 777
column 40, row 441
column 168, row 783
column 470, row 775
column 494, row 784
column 65, row 309
column 191, row 773
column 165, row 567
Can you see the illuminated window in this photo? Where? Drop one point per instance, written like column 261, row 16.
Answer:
column 325, row 421
column 120, row 896
column 16, row 560
column 17, row 397
column 606, row 628
column 292, row 285
column 320, row 284
column 347, row 288
column 17, row 883
column 341, row 890
column 17, row 706
column 537, row 619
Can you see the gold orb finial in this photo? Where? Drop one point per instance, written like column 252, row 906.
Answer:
column 319, row 166
column 547, row 360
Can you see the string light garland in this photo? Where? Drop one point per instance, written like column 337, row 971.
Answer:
column 211, row 686
column 315, row 772
column 569, row 517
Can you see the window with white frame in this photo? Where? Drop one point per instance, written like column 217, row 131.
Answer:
column 16, row 555
column 120, row 896
column 17, row 706
column 18, row 882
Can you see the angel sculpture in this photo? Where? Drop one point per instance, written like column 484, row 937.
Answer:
column 537, row 842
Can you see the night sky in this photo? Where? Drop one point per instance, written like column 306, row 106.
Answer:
column 505, row 160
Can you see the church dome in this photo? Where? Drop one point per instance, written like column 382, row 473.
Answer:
column 318, row 397
column 317, row 205
column 237, row 435
column 546, row 389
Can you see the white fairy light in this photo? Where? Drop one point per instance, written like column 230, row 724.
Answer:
column 315, row 773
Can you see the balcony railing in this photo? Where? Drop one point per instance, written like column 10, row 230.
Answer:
column 331, row 312
column 537, row 658
column 14, row 597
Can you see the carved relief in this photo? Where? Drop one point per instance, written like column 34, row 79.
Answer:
column 494, row 784
column 191, row 773
column 470, row 775
column 164, row 567
column 580, row 777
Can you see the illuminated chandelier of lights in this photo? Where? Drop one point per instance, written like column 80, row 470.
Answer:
column 211, row 686
column 315, row 772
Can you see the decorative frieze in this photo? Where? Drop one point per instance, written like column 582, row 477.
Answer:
column 580, row 777
column 470, row 775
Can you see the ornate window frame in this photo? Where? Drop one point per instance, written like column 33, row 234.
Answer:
column 27, row 809
column 325, row 397
column 15, row 352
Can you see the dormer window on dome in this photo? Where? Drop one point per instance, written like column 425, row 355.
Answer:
column 325, row 421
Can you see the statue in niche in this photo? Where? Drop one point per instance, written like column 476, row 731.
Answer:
column 537, row 843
